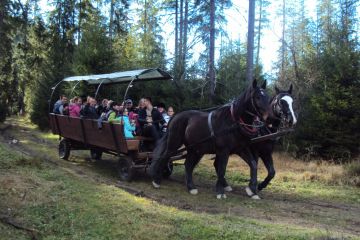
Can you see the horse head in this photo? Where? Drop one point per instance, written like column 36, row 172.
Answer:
column 282, row 106
column 259, row 100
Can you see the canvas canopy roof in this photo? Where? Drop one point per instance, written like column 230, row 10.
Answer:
column 123, row 77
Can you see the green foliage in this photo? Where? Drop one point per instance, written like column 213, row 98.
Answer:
column 231, row 73
column 324, row 67
column 93, row 55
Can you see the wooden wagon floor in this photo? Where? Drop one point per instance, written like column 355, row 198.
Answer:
column 287, row 203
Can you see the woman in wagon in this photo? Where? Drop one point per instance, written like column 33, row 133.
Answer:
column 150, row 120
column 89, row 110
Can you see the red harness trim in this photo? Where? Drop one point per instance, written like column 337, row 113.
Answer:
column 241, row 121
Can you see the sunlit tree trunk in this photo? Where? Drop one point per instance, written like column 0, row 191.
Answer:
column 184, row 41
column 283, row 43
column 212, row 50
column 259, row 33
column 111, row 19
column 250, row 43
column 176, row 57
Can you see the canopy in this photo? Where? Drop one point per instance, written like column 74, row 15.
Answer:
column 123, row 77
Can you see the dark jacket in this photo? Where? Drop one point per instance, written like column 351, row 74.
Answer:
column 89, row 112
column 157, row 118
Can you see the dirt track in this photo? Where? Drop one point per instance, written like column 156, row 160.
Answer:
column 275, row 207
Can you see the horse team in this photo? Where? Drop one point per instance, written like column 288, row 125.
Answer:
column 225, row 131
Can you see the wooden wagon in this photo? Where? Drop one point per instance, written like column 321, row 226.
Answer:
column 85, row 134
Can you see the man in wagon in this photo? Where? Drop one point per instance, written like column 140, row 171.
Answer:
column 150, row 120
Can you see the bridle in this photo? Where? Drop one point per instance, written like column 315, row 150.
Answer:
column 276, row 108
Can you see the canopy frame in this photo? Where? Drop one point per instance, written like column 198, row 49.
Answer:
column 115, row 78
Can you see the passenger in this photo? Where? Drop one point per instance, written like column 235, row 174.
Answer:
column 129, row 127
column 150, row 120
column 140, row 106
column 64, row 109
column 75, row 107
column 102, row 108
column 167, row 116
column 161, row 109
column 113, row 113
column 129, row 105
column 170, row 114
column 89, row 110
column 59, row 104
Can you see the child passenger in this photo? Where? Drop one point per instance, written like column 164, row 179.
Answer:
column 75, row 107
column 129, row 127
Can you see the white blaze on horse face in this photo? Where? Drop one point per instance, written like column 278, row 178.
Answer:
column 289, row 101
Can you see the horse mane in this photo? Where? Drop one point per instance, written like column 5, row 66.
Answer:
column 239, row 105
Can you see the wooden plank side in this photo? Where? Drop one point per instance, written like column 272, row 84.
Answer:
column 133, row 144
column 103, row 137
column 53, row 126
column 70, row 127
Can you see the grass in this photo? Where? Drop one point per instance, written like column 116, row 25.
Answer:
column 60, row 205
column 315, row 180
column 49, row 197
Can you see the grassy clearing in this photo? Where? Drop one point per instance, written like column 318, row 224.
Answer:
column 60, row 205
column 315, row 180
column 52, row 198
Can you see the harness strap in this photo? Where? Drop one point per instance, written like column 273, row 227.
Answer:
column 210, row 124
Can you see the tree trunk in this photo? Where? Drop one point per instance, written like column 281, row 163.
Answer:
column 259, row 34
column 111, row 19
column 282, row 71
column 176, row 57
column 211, row 73
column 184, row 42
column 79, row 24
column 250, row 43
column 181, row 39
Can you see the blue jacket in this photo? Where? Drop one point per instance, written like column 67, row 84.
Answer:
column 128, row 128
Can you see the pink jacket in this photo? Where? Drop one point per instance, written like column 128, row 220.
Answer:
column 74, row 110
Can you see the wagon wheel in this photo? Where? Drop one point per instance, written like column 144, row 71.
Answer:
column 64, row 149
column 126, row 168
column 95, row 154
column 168, row 170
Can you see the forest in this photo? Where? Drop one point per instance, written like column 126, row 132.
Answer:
column 319, row 56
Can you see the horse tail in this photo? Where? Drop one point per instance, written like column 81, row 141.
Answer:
column 158, row 153
column 168, row 145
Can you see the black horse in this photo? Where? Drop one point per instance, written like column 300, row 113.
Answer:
column 223, row 131
column 281, row 115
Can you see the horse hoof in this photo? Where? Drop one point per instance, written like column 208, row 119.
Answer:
column 255, row 197
column 155, row 185
column 228, row 189
column 249, row 192
column 194, row 191
column 220, row 196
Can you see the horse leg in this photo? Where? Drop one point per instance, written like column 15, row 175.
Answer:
column 220, row 164
column 268, row 162
column 225, row 184
column 252, row 160
column 192, row 159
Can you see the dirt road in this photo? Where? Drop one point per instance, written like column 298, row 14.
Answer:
column 342, row 217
